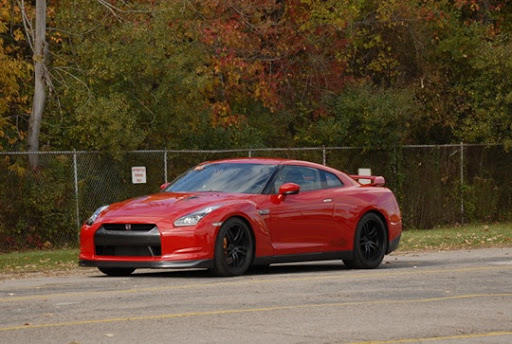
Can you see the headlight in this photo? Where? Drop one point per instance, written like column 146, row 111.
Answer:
column 94, row 216
column 193, row 219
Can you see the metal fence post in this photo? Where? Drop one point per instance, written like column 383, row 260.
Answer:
column 250, row 153
column 165, row 165
column 462, row 182
column 324, row 159
column 75, row 170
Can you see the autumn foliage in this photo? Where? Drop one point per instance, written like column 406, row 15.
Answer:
column 221, row 74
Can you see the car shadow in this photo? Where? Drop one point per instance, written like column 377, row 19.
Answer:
column 284, row 268
column 291, row 268
column 275, row 269
column 253, row 271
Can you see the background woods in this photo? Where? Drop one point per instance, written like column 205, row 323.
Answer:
column 215, row 74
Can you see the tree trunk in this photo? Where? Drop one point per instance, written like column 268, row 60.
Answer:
column 39, row 88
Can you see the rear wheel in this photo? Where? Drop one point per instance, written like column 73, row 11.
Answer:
column 370, row 243
column 234, row 248
column 115, row 272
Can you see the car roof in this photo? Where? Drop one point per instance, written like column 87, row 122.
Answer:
column 278, row 161
column 265, row 161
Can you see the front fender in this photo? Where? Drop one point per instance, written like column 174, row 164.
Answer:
column 249, row 212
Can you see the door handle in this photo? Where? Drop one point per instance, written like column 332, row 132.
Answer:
column 327, row 200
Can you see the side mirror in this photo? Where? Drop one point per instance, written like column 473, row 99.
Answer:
column 163, row 186
column 289, row 189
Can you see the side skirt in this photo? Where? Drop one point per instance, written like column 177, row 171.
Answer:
column 306, row 257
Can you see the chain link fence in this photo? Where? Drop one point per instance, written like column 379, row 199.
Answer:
column 435, row 185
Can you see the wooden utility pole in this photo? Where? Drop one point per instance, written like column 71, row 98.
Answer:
column 40, row 54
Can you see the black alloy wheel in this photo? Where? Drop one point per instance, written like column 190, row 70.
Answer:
column 234, row 248
column 117, row 272
column 370, row 243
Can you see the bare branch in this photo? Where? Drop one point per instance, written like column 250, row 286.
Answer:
column 27, row 25
column 71, row 34
column 64, row 71
column 111, row 8
column 115, row 10
column 148, row 109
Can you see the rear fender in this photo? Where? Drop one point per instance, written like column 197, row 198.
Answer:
column 386, row 207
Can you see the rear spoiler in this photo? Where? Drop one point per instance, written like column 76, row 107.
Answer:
column 369, row 180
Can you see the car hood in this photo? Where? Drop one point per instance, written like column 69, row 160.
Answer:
column 168, row 204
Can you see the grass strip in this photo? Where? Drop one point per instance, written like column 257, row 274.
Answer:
column 465, row 237
column 39, row 261
column 440, row 239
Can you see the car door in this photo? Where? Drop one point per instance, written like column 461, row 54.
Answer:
column 301, row 223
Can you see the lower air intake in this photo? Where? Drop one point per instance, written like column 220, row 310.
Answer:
column 128, row 251
column 123, row 243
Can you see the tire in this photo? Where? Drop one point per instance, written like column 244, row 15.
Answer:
column 117, row 272
column 234, row 248
column 370, row 243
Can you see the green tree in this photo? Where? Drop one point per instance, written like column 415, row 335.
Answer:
column 364, row 115
column 14, row 73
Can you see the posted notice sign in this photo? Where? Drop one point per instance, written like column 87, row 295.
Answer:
column 365, row 172
column 139, row 175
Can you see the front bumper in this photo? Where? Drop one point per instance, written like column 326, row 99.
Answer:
column 146, row 243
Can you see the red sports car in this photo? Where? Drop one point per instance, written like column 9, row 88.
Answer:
column 228, row 215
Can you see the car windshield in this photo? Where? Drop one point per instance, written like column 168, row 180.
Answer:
column 224, row 177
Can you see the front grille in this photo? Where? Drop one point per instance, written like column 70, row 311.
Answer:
column 138, row 227
column 144, row 241
column 127, row 251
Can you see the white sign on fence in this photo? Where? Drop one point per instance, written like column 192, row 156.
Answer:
column 139, row 175
column 364, row 172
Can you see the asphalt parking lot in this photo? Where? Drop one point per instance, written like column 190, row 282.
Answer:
column 441, row 297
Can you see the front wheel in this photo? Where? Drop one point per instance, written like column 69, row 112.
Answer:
column 234, row 248
column 370, row 243
column 117, row 272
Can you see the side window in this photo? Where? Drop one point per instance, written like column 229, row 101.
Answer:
column 331, row 181
column 307, row 178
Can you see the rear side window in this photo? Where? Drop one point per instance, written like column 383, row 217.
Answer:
column 331, row 181
column 306, row 177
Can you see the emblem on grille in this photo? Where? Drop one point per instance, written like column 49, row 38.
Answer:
column 128, row 227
